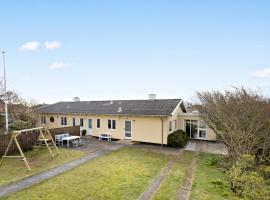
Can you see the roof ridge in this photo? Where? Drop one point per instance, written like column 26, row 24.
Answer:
column 117, row 100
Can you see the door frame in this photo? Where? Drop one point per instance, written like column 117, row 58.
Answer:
column 89, row 130
column 129, row 138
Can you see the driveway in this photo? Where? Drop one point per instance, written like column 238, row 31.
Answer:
column 206, row 146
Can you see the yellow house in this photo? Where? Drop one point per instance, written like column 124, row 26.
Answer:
column 150, row 120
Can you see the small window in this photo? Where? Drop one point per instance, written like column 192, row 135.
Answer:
column 170, row 126
column 111, row 124
column 51, row 119
column 63, row 121
column 175, row 124
column 90, row 123
column 73, row 121
column 43, row 120
column 81, row 122
column 98, row 123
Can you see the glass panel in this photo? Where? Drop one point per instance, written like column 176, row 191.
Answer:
column 128, row 134
column 81, row 122
column 170, row 126
column 202, row 124
column 113, row 124
column 128, row 129
column 109, row 124
column 90, row 123
column 98, row 123
column 187, row 127
column 73, row 121
column 202, row 133
column 128, row 126
column 193, row 129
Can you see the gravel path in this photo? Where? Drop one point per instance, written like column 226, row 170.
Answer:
column 14, row 187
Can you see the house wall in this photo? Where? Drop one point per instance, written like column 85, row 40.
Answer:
column 174, row 119
column 144, row 128
column 211, row 135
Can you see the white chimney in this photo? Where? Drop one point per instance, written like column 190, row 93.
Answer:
column 152, row 96
column 119, row 109
column 76, row 99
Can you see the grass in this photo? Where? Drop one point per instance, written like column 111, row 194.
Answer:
column 14, row 169
column 209, row 182
column 172, row 182
column 122, row 174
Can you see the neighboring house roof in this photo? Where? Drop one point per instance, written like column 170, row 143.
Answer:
column 159, row 107
column 192, row 108
column 39, row 106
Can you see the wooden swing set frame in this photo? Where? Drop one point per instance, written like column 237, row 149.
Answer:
column 44, row 137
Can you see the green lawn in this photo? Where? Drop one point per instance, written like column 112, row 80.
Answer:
column 41, row 160
column 209, row 182
column 172, row 182
column 122, row 174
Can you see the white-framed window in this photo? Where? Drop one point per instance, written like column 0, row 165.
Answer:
column 196, row 129
column 63, row 121
column 90, row 123
column 81, row 122
column 111, row 124
column 73, row 121
column 98, row 123
column 170, row 126
column 175, row 124
column 43, row 119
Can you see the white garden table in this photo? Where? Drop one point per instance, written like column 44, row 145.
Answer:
column 70, row 138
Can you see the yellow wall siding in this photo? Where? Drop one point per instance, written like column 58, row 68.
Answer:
column 211, row 135
column 144, row 128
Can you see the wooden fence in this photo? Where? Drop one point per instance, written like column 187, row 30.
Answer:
column 28, row 139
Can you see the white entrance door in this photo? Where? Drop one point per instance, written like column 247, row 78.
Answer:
column 90, row 127
column 128, row 133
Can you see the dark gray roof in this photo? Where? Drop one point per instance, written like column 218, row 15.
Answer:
column 128, row 107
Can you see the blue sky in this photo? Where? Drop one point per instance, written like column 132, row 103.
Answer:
column 127, row 49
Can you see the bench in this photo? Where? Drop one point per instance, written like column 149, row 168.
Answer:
column 106, row 136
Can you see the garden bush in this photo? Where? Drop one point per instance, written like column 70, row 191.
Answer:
column 246, row 181
column 177, row 139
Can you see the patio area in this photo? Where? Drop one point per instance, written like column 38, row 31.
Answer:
column 207, row 147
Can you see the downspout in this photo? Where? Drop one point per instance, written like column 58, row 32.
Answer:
column 161, row 131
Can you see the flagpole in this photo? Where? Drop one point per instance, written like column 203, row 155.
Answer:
column 5, row 90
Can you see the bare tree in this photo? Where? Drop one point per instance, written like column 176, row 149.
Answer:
column 19, row 110
column 241, row 118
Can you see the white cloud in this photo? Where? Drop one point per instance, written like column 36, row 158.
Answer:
column 52, row 45
column 59, row 65
column 262, row 73
column 30, row 46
